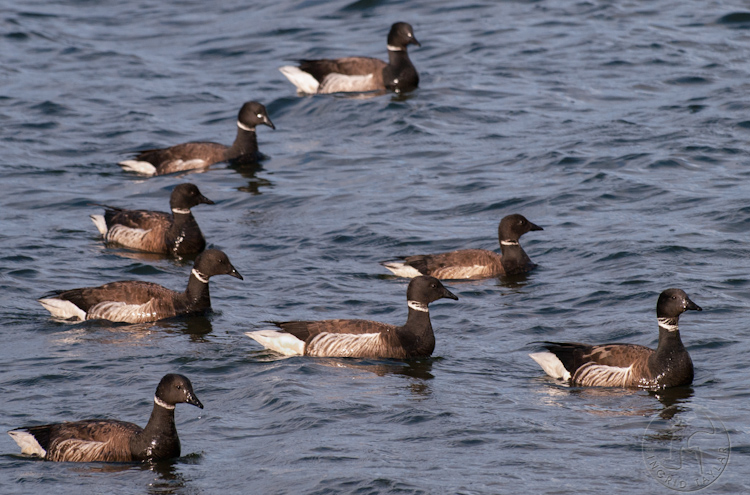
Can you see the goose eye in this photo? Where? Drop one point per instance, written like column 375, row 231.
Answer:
column 260, row 115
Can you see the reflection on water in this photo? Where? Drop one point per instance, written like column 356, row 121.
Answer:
column 625, row 401
column 249, row 171
column 168, row 479
column 672, row 398
column 129, row 334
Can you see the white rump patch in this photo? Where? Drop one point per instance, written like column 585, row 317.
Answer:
column 281, row 342
column 401, row 269
column 60, row 308
column 341, row 83
column 551, row 365
column 101, row 224
column 138, row 167
column 27, row 442
column 123, row 312
column 304, row 81
column 132, row 238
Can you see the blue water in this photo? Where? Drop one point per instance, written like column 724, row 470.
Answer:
column 622, row 128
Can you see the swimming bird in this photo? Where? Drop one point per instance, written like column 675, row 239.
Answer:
column 627, row 365
column 474, row 263
column 189, row 156
column 176, row 234
column 360, row 74
column 363, row 338
column 133, row 301
column 102, row 440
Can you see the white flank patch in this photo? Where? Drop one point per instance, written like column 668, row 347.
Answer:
column 462, row 272
column 186, row 164
column 304, row 82
column 60, row 308
column 341, row 83
column 344, row 344
column 138, row 167
column 77, row 450
column 281, row 342
column 599, row 375
column 551, row 365
column 123, row 312
column 101, row 224
column 402, row 270
column 126, row 236
column 27, row 442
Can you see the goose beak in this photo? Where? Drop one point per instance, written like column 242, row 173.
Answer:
column 691, row 305
column 268, row 122
column 449, row 295
column 205, row 200
column 192, row 399
column 234, row 273
column 413, row 41
column 533, row 226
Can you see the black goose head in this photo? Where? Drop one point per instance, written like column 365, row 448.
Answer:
column 214, row 262
column 252, row 114
column 174, row 389
column 512, row 227
column 425, row 289
column 185, row 196
column 673, row 302
column 402, row 34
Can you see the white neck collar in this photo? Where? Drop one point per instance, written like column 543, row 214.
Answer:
column 161, row 403
column 418, row 306
column 508, row 242
column 392, row 48
column 668, row 324
column 244, row 127
column 182, row 211
column 200, row 276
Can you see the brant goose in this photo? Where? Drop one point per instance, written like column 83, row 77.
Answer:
column 189, row 156
column 102, row 440
column 176, row 234
column 627, row 365
column 360, row 74
column 363, row 338
column 138, row 302
column 474, row 263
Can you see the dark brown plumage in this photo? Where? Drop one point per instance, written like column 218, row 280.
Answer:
column 137, row 302
column 176, row 234
column 363, row 338
column 195, row 155
column 97, row 440
column 360, row 74
column 474, row 263
column 628, row 365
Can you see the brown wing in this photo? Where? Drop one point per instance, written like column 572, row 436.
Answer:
column 138, row 219
column 129, row 292
column 607, row 365
column 184, row 156
column 138, row 229
column 350, row 66
column 303, row 330
column 86, row 441
column 461, row 264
